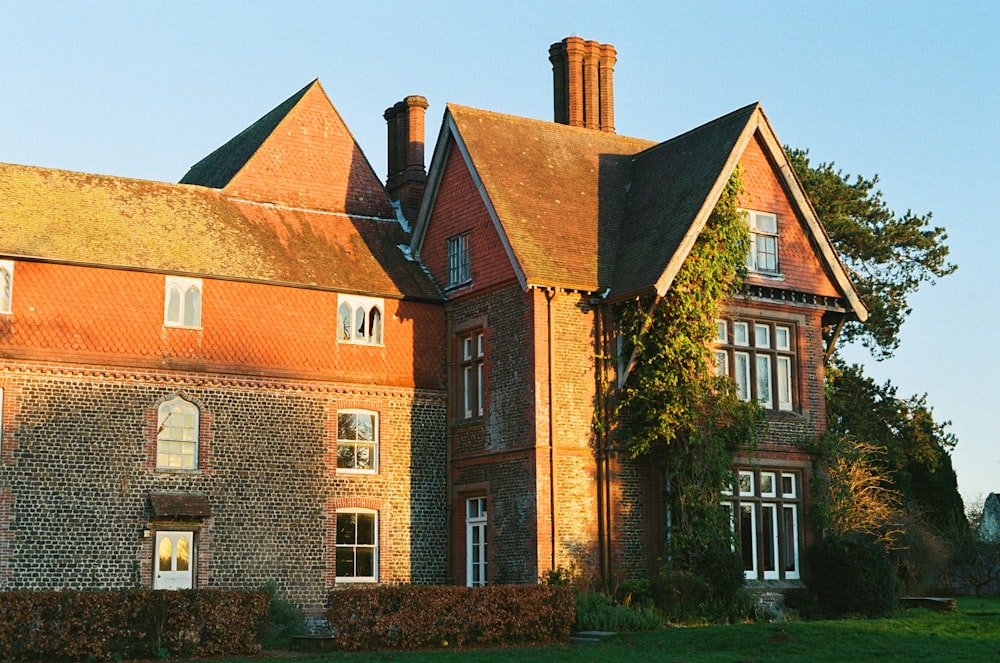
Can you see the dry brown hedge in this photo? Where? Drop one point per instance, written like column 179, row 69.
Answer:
column 73, row 626
column 415, row 617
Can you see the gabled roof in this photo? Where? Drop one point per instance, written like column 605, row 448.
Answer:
column 301, row 154
column 218, row 168
column 671, row 185
column 595, row 211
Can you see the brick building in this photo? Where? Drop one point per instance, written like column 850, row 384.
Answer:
column 281, row 370
column 535, row 230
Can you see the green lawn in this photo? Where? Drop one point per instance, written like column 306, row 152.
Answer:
column 916, row 636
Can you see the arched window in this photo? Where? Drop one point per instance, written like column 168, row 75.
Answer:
column 182, row 303
column 177, row 435
column 359, row 320
column 6, row 285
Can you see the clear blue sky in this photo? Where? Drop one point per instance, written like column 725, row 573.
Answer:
column 908, row 90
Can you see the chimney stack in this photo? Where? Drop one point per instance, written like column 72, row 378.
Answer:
column 407, row 177
column 583, row 83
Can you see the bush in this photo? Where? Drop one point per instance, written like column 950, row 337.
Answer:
column 716, row 593
column 852, row 575
column 410, row 617
column 597, row 612
column 72, row 626
column 284, row 618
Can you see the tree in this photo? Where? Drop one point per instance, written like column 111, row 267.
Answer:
column 889, row 256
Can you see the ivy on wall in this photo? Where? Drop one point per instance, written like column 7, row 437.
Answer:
column 673, row 408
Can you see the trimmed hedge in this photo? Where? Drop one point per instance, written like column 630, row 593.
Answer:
column 410, row 617
column 72, row 626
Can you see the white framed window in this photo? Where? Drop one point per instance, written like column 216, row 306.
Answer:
column 1, row 417
column 475, row 542
column 763, row 254
column 471, row 366
column 459, row 271
column 764, row 513
column 357, row 441
column 357, row 545
column 6, row 285
column 182, row 302
column 761, row 361
column 177, row 435
column 360, row 319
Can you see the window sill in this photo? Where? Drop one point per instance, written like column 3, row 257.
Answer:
column 347, row 470
column 767, row 276
column 178, row 470
column 170, row 326
column 457, row 286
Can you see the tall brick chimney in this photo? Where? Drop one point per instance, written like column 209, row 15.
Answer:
column 407, row 176
column 583, row 83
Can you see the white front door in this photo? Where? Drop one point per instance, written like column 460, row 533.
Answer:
column 173, row 560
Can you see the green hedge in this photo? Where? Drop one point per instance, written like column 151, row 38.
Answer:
column 410, row 617
column 72, row 626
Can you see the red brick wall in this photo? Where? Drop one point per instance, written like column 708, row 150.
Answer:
column 796, row 254
column 459, row 208
column 113, row 317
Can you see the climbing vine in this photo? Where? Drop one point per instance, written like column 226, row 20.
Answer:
column 673, row 409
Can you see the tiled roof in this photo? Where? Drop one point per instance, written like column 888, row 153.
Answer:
column 112, row 221
column 301, row 154
column 218, row 168
column 669, row 187
column 559, row 192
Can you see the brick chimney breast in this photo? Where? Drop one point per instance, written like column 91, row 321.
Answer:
column 583, row 83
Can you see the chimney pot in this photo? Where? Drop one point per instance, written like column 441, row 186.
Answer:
column 407, row 176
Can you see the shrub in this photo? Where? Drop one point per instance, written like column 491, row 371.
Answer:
column 72, row 626
column 410, row 617
column 284, row 618
column 716, row 593
column 852, row 575
column 597, row 612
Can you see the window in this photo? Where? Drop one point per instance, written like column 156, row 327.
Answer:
column 475, row 542
column 357, row 441
column 177, row 436
column 357, row 545
column 458, row 260
column 182, row 302
column 759, row 355
column 471, row 366
column 763, row 254
column 6, row 285
column 764, row 511
column 359, row 320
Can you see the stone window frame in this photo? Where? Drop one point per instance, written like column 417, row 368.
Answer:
column 360, row 320
column 183, row 300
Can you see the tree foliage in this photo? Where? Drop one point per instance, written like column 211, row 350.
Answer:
column 888, row 255
column 914, row 450
column 673, row 408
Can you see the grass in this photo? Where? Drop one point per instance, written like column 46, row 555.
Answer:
column 970, row 634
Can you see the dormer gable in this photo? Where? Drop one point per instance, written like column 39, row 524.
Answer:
column 302, row 155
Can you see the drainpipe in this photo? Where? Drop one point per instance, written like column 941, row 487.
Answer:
column 600, row 367
column 449, row 506
column 550, row 295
